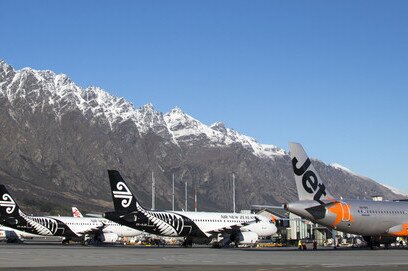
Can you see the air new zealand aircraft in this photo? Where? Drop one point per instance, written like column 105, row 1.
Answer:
column 220, row 229
column 83, row 229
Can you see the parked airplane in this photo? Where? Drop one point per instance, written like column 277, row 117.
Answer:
column 197, row 227
column 377, row 221
column 12, row 235
column 83, row 229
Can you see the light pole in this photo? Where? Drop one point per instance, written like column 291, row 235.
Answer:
column 185, row 195
column 233, row 192
column 172, row 195
column 153, row 192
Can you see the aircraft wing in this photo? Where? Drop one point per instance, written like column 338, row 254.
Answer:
column 94, row 230
column 227, row 230
column 232, row 228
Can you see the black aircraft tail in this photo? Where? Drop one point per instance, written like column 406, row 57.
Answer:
column 8, row 206
column 123, row 199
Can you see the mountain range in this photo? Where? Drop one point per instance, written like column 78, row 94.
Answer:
column 58, row 139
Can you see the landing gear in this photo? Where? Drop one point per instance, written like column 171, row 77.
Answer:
column 88, row 241
column 377, row 241
column 188, row 242
column 369, row 241
column 65, row 241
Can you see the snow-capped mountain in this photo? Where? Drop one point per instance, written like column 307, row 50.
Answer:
column 58, row 139
column 45, row 88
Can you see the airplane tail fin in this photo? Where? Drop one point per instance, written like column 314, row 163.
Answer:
column 8, row 206
column 123, row 199
column 308, row 183
column 76, row 212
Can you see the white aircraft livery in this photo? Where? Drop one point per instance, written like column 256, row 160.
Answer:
column 220, row 229
column 377, row 221
column 84, row 229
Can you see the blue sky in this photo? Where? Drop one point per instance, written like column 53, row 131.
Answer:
column 332, row 75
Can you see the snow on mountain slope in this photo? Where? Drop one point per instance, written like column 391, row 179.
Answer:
column 338, row 166
column 185, row 128
column 395, row 190
column 347, row 170
column 38, row 89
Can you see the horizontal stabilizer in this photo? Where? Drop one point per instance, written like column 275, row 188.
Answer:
column 319, row 211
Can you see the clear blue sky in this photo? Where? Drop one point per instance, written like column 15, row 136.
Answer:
column 332, row 75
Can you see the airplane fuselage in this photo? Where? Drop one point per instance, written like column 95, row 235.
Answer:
column 194, row 224
column 362, row 217
column 66, row 226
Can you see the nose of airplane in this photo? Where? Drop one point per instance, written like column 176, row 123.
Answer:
column 273, row 229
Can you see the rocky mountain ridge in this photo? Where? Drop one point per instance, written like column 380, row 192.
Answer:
column 58, row 139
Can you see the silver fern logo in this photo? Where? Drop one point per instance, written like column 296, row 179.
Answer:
column 9, row 203
column 124, row 193
column 41, row 225
column 168, row 224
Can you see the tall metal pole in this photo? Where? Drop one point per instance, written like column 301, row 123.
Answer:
column 185, row 195
column 153, row 192
column 195, row 199
column 172, row 195
column 233, row 191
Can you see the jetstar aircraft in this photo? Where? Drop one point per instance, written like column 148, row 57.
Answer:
column 377, row 221
column 84, row 229
column 220, row 229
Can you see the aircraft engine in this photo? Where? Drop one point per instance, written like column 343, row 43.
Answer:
column 247, row 238
column 108, row 237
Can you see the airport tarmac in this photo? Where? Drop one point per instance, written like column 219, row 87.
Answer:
column 35, row 256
